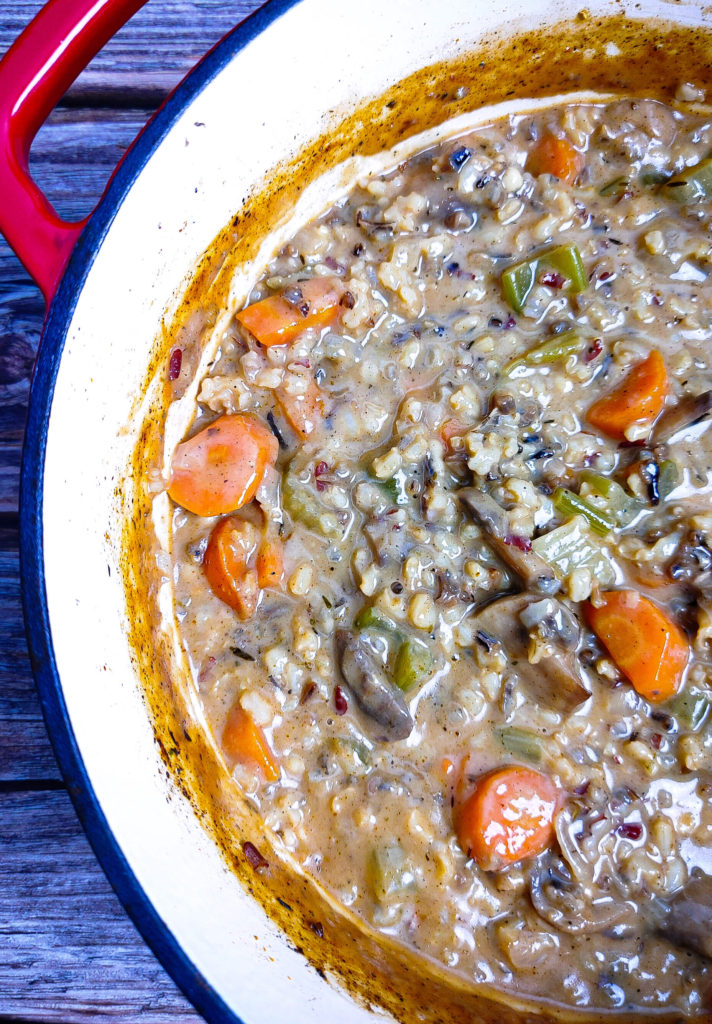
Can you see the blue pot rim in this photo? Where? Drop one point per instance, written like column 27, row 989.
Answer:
column 34, row 596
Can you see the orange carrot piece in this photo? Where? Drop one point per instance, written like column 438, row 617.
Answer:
column 275, row 321
column 552, row 155
column 508, row 817
column 647, row 646
column 244, row 741
column 450, row 429
column 647, row 577
column 226, row 565
column 639, row 396
column 220, row 468
column 270, row 563
column 304, row 412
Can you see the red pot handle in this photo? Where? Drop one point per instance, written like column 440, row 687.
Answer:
column 34, row 75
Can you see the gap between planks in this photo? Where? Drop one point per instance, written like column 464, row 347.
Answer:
column 69, row 952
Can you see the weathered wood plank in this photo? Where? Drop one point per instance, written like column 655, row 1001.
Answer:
column 25, row 750
column 69, row 952
column 150, row 55
column 21, row 312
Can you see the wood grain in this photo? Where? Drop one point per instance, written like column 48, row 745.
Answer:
column 150, row 55
column 25, row 751
column 69, row 953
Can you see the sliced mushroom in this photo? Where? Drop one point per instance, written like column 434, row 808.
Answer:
column 382, row 703
column 689, row 923
column 571, row 906
column 536, row 574
column 552, row 621
column 387, row 539
column 450, row 589
column 555, row 680
column 686, row 413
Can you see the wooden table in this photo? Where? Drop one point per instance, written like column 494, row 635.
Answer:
column 68, row 951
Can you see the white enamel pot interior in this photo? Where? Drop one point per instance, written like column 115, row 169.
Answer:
column 238, row 116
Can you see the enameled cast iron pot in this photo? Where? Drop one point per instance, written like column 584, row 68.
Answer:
column 289, row 75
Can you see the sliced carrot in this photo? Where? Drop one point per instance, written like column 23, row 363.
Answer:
column 270, row 563
column 450, row 429
column 647, row 646
column 220, row 468
column 552, row 155
column 509, row 816
column 277, row 321
column 244, row 741
column 648, row 577
column 639, row 396
column 226, row 565
column 305, row 411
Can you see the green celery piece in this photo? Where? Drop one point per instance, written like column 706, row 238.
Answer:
column 518, row 280
column 394, row 487
column 517, row 283
column 413, row 664
column 389, row 871
column 573, row 546
column 668, row 477
column 370, row 618
column 691, row 708
column 569, row 504
column 521, row 743
column 691, row 185
column 615, row 188
column 567, row 260
column 353, row 756
column 652, row 176
column 561, row 346
column 303, row 506
column 391, row 488
column 624, row 507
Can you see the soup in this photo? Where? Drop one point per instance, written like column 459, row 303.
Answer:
column 442, row 553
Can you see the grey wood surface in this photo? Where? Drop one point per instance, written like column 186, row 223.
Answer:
column 68, row 951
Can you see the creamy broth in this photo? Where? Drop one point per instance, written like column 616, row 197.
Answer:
column 453, row 471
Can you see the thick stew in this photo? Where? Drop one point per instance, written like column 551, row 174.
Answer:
column 442, row 552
